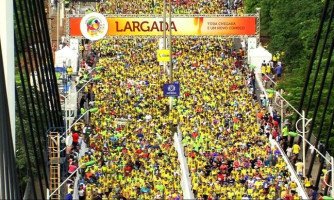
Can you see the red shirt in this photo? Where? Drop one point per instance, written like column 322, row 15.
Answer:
column 194, row 134
column 275, row 123
column 223, row 167
column 258, row 163
column 275, row 134
column 128, row 169
column 72, row 168
column 124, row 150
column 75, row 137
column 192, row 154
column 220, row 177
column 139, row 151
column 288, row 197
column 145, row 155
column 236, row 164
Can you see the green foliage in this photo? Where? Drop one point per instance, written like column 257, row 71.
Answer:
column 21, row 154
column 21, row 158
column 251, row 5
column 292, row 27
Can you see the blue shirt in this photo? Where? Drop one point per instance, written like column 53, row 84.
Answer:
column 69, row 197
column 279, row 69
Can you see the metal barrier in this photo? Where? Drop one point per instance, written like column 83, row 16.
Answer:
column 306, row 154
column 294, row 177
column 185, row 176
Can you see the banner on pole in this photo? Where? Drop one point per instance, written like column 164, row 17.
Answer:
column 163, row 55
column 171, row 89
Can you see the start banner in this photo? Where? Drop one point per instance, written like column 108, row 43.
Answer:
column 180, row 26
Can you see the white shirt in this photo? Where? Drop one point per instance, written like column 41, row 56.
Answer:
column 148, row 118
column 81, row 193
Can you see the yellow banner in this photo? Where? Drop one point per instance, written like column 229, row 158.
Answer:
column 163, row 55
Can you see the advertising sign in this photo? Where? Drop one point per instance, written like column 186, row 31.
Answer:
column 171, row 90
column 192, row 26
column 163, row 55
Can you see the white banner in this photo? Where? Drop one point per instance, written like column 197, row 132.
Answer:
column 251, row 44
column 74, row 45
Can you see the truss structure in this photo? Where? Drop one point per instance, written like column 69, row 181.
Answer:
column 54, row 158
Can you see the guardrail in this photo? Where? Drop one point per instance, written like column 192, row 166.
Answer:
column 185, row 176
column 300, row 189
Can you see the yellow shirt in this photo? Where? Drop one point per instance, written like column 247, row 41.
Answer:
column 295, row 149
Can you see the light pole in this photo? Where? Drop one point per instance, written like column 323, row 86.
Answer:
column 67, row 99
column 170, row 54
column 58, row 21
column 305, row 122
column 170, row 43
column 303, row 132
column 164, row 32
column 304, row 146
column 258, row 24
column 332, row 166
column 280, row 105
column 169, row 69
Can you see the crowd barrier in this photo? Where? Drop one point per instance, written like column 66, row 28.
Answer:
column 185, row 176
column 300, row 189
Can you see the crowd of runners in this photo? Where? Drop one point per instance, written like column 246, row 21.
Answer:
column 129, row 137
column 227, row 7
column 226, row 141
column 225, row 131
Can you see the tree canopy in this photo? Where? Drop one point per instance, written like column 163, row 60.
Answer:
column 291, row 27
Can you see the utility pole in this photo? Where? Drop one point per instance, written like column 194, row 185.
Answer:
column 58, row 21
column 170, row 43
column 304, row 144
column 164, row 34
column 170, row 54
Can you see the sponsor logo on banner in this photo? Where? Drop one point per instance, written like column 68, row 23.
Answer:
column 172, row 89
column 94, row 26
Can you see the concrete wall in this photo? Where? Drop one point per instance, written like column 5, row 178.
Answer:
column 7, row 45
